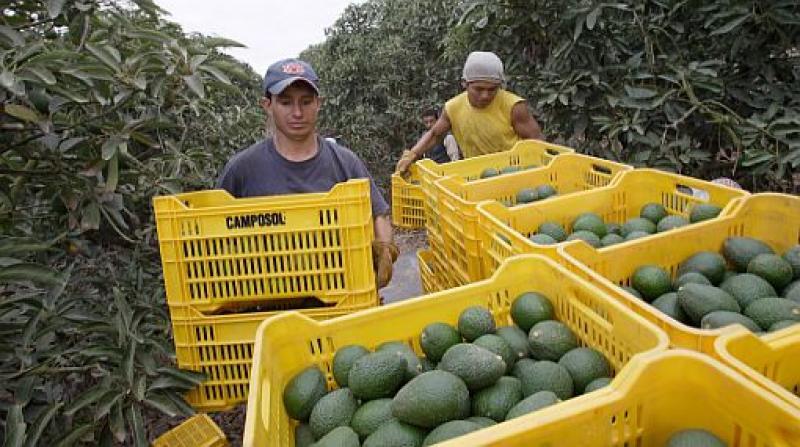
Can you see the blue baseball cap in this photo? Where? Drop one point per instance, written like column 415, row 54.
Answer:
column 283, row 73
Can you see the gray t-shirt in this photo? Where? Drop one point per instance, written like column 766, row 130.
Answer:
column 260, row 170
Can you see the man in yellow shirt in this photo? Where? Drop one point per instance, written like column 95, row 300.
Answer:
column 485, row 118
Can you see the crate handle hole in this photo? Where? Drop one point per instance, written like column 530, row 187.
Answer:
column 601, row 169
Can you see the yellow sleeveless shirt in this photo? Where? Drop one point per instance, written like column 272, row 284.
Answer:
column 483, row 131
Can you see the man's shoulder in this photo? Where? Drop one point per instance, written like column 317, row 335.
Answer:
column 344, row 153
column 247, row 155
column 459, row 98
column 509, row 97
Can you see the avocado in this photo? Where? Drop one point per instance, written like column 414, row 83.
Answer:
column 545, row 376
column 773, row 268
column 303, row 391
column 431, row 399
column 530, row 308
column 476, row 366
column 371, row 415
column 527, row 195
column 690, row 277
column 636, row 235
column 343, row 360
column 496, row 344
column 792, row 256
column 475, row 321
column 482, row 421
column 653, row 212
column 591, row 223
column 585, row 365
column 671, row 223
column 668, row 304
column 396, row 434
column 596, row 384
column 722, row 318
column 335, row 409
column 545, row 191
column 638, row 224
column 703, row 211
column 413, row 365
column 436, row 338
column 739, row 251
column 517, row 339
column 489, row 172
column 495, row 401
column 377, row 375
column 747, row 287
column 450, row 430
column 586, row 236
column 554, row 230
column 698, row 300
column 707, row 263
column 542, row 239
column 611, row 239
column 534, row 402
column 651, row 281
column 550, row 340
column 768, row 311
column 339, row 437
column 303, row 436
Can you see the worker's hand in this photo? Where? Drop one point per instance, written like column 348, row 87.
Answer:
column 405, row 161
column 383, row 256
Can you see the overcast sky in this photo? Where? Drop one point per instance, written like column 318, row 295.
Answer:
column 270, row 29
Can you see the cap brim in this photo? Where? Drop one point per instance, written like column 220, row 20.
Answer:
column 279, row 87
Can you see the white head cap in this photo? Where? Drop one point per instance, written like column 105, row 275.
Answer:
column 483, row 66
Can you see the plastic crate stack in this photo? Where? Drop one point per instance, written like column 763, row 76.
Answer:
column 527, row 154
column 229, row 264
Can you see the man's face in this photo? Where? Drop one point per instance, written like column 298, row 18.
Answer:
column 429, row 121
column 481, row 93
column 294, row 110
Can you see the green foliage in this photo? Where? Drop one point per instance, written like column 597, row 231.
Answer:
column 702, row 88
column 380, row 68
column 103, row 105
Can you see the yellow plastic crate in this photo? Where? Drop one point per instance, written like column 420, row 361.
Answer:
column 408, row 208
column 291, row 342
column 221, row 346
column 504, row 232
column 446, row 277
column 772, row 361
column 772, row 218
column 457, row 200
column 218, row 251
column 655, row 396
column 197, row 431
column 524, row 153
column 428, row 272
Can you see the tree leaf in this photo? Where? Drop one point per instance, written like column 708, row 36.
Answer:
column 195, row 83
column 24, row 271
column 112, row 177
column 137, row 426
column 15, row 427
column 217, row 73
column 104, row 56
column 23, row 113
column 110, row 147
column 54, row 7
column 106, row 403
column 162, row 404
column 117, row 423
column 188, row 376
column 43, row 74
column 91, row 217
column 75, row 435
column 87, row 398
column 16, row 38
column 639, row 92
column 41, row 423
column 591, row 19
column 221, row 42
column 730, row 26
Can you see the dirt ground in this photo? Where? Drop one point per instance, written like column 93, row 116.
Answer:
column 405, row 284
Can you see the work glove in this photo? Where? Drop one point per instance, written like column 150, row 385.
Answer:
column 405, row 161
column 383, row 256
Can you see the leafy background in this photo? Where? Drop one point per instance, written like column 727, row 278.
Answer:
column 105, row 104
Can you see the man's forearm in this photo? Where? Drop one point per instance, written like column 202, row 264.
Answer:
column 383, row 229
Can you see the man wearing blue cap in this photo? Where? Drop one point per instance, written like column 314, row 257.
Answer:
column 297, row 160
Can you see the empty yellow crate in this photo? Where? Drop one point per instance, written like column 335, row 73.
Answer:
column 408, row 208
column 504, row 232
column 457, row 200
column 221, row 346
column 655, row 396
column 197, row 431
column 427, row 272
column 525, row 153
column 772, row 361
column 291, row 342
column 218, row 251
column 772, row 218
